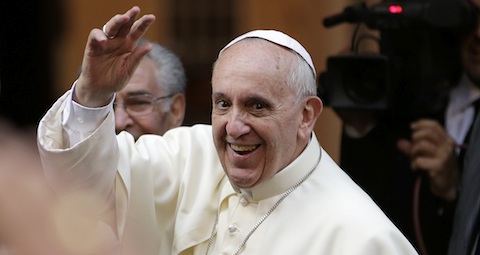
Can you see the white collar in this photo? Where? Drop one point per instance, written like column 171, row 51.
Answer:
column 463, row 95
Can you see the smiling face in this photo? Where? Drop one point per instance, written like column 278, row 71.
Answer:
column 258, row 123
column 164, row 115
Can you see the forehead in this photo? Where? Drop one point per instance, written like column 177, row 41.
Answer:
column 254, row 49
column 254, row 56
column 143, row 80
column 253, row 61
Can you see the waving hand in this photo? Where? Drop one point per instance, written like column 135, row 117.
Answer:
column 111, row 57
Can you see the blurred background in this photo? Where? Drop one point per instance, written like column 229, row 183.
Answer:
column 41, row 49
column 42, row 45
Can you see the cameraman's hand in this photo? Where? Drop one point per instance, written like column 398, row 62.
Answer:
column 433, row 150
column 108, row 63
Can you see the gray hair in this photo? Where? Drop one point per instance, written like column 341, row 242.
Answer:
column 301, row 79
column 170, row 72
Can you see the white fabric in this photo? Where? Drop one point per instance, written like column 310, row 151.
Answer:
column 279, row 38
column 176, row 185
column 80, row 121
column 460, row 112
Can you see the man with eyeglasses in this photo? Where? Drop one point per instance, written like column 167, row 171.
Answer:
column 154, row 100
column 256, row 181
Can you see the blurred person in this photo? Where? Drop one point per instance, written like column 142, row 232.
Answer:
column 465, row 234
column 35, row 220
column 435, row 149
column 256, row 181
column 440, row 150
column 154, row 99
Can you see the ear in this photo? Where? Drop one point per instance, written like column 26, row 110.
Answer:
column 177, row 110
column 311, row 111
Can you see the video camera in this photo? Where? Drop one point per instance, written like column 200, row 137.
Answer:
column 419, row 55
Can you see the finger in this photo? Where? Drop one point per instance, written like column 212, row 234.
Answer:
column 95, row 42
column 112, row 26
column 404, row 146
column 425, row 123
column 138, row 30
column 423, row 148
column 119, row 25
column 141, row 26
column 434, row 134
column 132, row 14
column 425, row 164
column 138, row 53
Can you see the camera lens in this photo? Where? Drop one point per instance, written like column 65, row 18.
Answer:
column 365, row 84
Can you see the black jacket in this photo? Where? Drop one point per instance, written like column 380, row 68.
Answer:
column 465, row 225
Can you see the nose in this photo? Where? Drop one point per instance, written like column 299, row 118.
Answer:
column 122, row 119
column 237, row 125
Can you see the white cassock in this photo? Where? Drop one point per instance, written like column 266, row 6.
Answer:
column 169, row 191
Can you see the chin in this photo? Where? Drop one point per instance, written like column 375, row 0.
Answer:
column 241, row 182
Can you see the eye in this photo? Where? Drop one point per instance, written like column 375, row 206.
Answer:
column 259, row 106
column 222, row 104
column 138, row 104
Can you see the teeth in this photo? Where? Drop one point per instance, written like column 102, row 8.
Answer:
column 243, row 148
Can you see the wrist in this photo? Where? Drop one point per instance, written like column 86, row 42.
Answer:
column 90, row 98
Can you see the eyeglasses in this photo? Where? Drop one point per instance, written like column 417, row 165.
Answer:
column 138, row 105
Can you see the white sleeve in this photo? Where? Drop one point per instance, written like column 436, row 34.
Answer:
column 79, row 154
column 78, row 147
column 79, row 121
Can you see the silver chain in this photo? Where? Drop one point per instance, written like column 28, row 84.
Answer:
column 265, row 216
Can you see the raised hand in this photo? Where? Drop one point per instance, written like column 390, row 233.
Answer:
column 111, row 57
column 433, row 150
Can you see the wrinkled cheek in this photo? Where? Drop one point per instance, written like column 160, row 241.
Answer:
column 218, row 128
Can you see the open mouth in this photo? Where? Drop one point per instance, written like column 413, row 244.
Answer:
column 243, row 149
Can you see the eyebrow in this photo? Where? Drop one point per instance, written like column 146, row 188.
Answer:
column 252, row 98
column 258, row 98
column 218, row 94
column 139, row 93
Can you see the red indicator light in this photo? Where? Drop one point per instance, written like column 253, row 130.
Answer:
column 395, row 9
